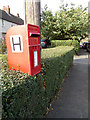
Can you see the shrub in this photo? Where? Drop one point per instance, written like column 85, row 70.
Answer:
column 3, row 47
column 28, row 97
column 73, row 43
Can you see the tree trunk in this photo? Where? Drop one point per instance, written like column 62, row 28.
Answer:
column 32, row 12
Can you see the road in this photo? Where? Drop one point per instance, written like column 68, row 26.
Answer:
column 73, row 100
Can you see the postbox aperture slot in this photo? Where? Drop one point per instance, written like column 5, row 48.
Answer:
column 34, row 34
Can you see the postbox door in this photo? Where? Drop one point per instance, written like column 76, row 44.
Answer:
column 35, row 59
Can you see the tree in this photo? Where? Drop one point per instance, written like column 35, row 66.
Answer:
column 46, row 23
column 67, row 23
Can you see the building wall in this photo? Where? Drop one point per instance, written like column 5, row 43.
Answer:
column 4, row 26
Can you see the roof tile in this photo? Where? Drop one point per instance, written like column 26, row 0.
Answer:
column 11, row 18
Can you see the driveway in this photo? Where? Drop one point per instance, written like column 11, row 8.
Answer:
column 73, row 100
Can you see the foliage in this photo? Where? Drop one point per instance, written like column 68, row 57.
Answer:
column 28, row 97
column 67, row 23
column 47, row 21
column 73, row 43
column 3, row 46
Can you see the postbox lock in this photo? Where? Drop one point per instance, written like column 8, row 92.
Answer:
column 35, row 47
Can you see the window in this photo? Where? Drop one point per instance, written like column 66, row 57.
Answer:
column 12, row 25
column 3, row 23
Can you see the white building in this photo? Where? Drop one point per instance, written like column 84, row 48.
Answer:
column 8, row 20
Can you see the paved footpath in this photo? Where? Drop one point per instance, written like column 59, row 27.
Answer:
column 73, row 100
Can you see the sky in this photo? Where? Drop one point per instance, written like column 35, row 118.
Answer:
column 18, row 6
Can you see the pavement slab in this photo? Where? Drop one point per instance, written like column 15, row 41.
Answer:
column 73, row 100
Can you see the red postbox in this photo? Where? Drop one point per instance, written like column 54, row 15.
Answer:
column 23, row 48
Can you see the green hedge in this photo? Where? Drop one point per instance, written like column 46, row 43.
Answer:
column 73, row 43
column 28, row 97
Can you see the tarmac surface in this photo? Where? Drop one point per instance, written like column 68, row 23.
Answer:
column 73, row 99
